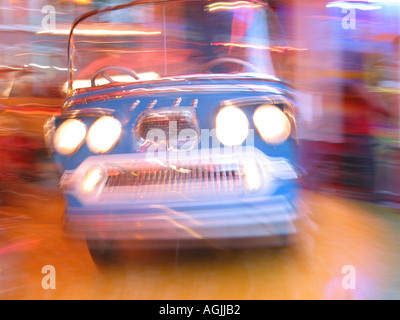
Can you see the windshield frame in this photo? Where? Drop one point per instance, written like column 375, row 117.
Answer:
column 118, row 7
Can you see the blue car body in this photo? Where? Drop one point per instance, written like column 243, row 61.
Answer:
column 197, row 195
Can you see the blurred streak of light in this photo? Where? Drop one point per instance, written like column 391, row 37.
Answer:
column 97, row 41
column 10, row 67
column 78, row 84
column 261, row 47
column 21, row 108
column 25, row 8
column 353, row 5
column 83, row 2
column 124, row 51
column 232, row 5
column 187, row 229
column 376, row 1
column 339, row 19
column 45, row 67
column 180, row 214
column 36, row 54
column 19, row 246
column 88, row 32
column 385, row 90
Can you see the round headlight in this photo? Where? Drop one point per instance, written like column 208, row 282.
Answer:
column 232, row 126
column 69, row 136
column 103, row 134
column 272, row 124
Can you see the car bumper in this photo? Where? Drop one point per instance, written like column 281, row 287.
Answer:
column 162, row 226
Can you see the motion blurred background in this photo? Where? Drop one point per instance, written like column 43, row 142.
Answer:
column 343, row 58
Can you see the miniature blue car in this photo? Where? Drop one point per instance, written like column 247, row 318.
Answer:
column 176, row 127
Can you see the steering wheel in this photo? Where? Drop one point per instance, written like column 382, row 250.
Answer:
column 212, row 63
column 103, row 72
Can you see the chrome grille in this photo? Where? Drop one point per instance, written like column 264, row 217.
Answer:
column 190, row 181
column 172, row 177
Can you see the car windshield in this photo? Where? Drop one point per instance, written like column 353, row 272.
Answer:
column 154, row 40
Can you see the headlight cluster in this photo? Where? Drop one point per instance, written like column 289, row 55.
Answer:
column 101, row 137
column 272, row 124
column 103, row 134
column 69, row 136
column 232, row 125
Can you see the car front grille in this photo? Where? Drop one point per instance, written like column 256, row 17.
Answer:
column 185, row 181
column 199, row 175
